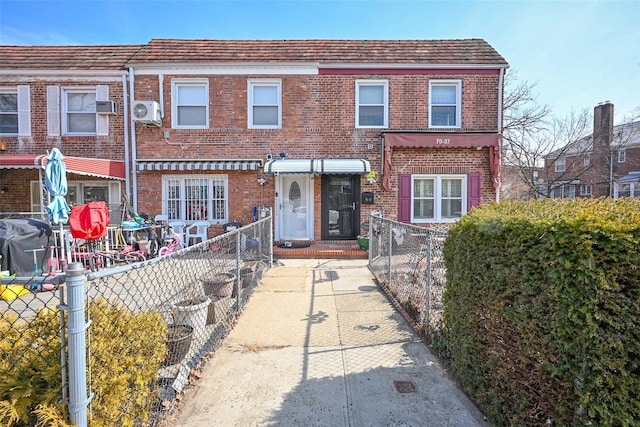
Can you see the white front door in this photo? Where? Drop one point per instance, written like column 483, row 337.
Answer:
column 294, row 207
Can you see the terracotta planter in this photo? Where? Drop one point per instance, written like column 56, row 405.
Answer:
column 218, row 284
column 178, row 343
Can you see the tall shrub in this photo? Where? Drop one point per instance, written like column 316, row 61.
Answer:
column 542, row 307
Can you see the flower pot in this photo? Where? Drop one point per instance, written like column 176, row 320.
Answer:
column 192, row 312
column 218, row 284
column 246, row 276
column 178, row 343
column 363, row 243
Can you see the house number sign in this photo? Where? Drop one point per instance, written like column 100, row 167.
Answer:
column 443, row 141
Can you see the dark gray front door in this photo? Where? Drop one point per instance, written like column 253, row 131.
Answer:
column 340, row 207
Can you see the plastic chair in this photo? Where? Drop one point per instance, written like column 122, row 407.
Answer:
column 161, row 219
column 178, row 227
column 197, row 230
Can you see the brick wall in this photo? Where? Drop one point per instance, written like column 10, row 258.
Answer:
column 105, row 147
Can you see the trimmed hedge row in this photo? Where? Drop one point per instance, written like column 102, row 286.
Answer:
column 542, row 311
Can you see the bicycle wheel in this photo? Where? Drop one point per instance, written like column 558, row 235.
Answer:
column 152, row 248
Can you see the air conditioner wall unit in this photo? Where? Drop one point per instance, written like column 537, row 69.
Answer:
column 147, row 112
column 106, row 107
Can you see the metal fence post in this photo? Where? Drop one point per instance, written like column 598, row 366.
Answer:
column 428, row 299
column 78, row 400
column 390, row 244
column 237, row 285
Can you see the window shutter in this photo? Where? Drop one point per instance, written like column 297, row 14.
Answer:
column 474, row 198
column 24, row 111
column 53, row 110
column 404, row 197
column 102, row 124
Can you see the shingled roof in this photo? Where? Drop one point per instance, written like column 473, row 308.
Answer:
column 436, row 52
column 66, row 57
column 459, row 52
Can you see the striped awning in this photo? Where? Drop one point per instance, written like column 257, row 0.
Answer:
column 198, row 165
column 103, row 168
column 319, row 166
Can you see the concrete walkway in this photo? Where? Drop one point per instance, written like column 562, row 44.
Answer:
column 320, row 345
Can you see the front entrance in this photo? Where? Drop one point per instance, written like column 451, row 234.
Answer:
column 294, row 207
column 340, row 207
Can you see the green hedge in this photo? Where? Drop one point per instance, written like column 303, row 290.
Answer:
column 542, row 311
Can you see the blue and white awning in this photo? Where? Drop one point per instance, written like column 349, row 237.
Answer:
column 198, row 165
column 320, row 166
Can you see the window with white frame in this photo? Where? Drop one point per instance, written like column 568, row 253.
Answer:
column 79, row 111
column 586, row 190
column 372, row 103
column 195, row 198
column 561, row 164
column 556, row 192
column 587, row 161
column 438, row 198
column 8, row 111
column 265, row 104
column 82, row 192
column 622, row 156
column 190, row 106
column 625, row 189
column 445, row 103
column 570, row 191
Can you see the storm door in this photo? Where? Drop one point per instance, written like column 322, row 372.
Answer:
column 295, row 210
column 340, row 207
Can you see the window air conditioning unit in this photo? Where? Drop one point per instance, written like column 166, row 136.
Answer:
column 147, row 112
column 106, row 107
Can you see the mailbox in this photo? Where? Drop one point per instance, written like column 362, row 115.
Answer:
column 367, row 198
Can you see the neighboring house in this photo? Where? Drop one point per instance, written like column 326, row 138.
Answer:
column 605, row 163
column 518, row 182
column 70, row 97
column 322, row 131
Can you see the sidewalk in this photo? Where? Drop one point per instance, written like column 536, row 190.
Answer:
column 320, row 345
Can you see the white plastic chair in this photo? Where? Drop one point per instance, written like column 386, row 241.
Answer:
column 197, row 230
column 161, row 219
column 178, row 227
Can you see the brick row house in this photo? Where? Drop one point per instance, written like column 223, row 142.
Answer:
column 603, row 164
column 321, row 131
column 70, row 97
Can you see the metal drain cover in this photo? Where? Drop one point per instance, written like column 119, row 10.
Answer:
column 404, row 386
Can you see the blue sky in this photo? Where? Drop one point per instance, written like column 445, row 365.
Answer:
column 579, row 52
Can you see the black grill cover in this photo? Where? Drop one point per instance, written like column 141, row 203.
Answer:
column 18, row 237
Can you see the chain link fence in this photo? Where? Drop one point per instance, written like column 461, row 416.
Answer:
column 170, row 311
column 407, row 262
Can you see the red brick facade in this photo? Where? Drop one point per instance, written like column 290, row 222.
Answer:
column 318, row 110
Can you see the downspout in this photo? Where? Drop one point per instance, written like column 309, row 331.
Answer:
column 500, row 106
column 161, row 88
column 134, row 180
column 127, row 163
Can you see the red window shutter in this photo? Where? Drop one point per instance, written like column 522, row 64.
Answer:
column 474, row 190
column 404, row 197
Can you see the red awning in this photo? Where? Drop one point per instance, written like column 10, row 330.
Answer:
column 103, row 168
column 442, row 140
